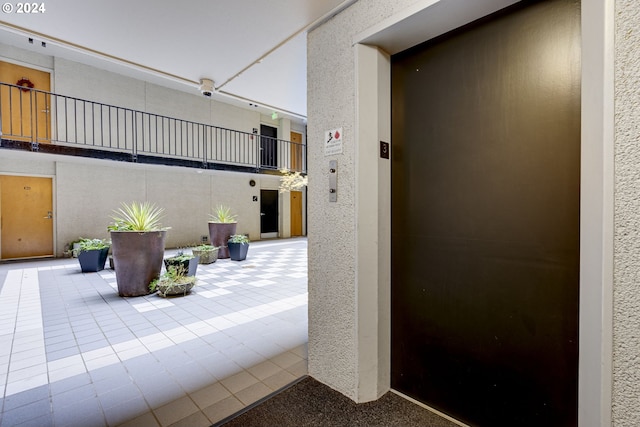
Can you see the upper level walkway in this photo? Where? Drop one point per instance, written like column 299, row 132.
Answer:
column 47, row 122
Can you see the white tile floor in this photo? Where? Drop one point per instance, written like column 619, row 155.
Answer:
column 74, row 353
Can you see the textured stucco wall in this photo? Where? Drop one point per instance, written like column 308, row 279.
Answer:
column 333, row 287
column 626, row 303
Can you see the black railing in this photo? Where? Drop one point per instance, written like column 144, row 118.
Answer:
column 44, row 118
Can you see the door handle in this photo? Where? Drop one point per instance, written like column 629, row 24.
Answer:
column 46, row 110
column 49, row 215
column 262, row 214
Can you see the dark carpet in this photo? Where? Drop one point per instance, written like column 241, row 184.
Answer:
column 311, row 403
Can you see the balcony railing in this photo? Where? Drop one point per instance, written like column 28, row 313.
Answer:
column 44, row 119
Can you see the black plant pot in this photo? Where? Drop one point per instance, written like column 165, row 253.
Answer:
column 137, row 258
column 93, row 260
column 219, row 234
column 238, row 251
column 188, row 265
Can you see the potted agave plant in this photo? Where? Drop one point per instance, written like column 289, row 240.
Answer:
column 207, row 254
column 137, row 240
column 173, row 282
column 222, row 226
column 92, row 254
column 238, row 247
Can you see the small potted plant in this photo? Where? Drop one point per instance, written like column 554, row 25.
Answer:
column 138, row 247
column 238, row 247
column 208, row 254
column 173, row 282
column 188, row 263
column 92, row 254
column 222, row 225
column 74, row 247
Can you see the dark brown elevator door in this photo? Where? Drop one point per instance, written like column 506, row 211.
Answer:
column 485, row 218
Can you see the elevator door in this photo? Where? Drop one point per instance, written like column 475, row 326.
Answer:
column 485, row 218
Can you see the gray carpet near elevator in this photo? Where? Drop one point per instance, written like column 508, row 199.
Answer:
column 311, row 403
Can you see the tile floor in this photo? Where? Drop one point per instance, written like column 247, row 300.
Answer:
column 74, row 353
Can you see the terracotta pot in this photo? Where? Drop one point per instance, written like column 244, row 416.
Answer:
column 219, row 234
column 138, row 260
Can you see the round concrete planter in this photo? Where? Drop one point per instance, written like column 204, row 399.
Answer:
column 137, row 257
column 219, row 233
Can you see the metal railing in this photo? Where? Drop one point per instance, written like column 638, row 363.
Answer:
column 40, row 117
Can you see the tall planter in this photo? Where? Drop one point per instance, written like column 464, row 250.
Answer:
column 137, row 257
column 219, row 233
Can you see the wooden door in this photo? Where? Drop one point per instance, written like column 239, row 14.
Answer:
column 296, row 213
column 28, row 108
column 26, row 215
column 296, row 152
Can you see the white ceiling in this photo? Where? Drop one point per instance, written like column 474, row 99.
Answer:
column 254, row 50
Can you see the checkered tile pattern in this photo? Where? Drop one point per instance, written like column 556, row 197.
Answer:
column 72, row 352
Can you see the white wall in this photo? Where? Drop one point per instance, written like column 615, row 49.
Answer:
column 86, row 191
column 626, row 297
column 348, row 290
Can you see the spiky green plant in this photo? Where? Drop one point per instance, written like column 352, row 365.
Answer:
column 222, row 214
column 137, row 216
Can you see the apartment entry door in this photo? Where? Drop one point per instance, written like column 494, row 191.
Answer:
column 268, row 147
column 25, row 111
column 296, row 213
column 26, row 215
column 485, row 219
column 268, row 213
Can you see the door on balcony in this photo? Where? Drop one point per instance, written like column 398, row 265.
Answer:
column 26, row 215
column 25, row 111
column 296, row 152
column 268, row 147
column 268, row 213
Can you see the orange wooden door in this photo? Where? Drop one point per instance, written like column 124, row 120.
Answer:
column 26, row 215
column 296, row 213
column 296, row 151
column 25, row 111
